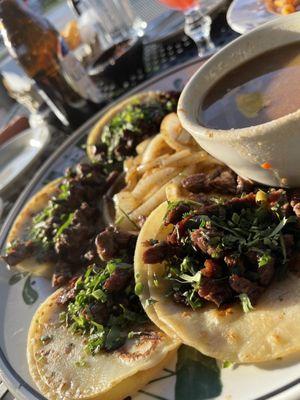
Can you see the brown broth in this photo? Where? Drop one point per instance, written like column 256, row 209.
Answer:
column 264, row 88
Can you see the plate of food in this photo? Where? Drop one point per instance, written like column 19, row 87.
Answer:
column 245, row 15
column 99, row 300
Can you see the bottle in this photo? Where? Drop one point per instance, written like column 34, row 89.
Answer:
column 45, row 58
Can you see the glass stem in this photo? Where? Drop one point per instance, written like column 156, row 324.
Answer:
column 197, row 26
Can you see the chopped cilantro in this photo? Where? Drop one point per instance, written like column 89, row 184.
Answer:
column 246, row 303
column 150, row 302
column 227, row 364
column 138, row 120
column 68, row 221
column 139, row 287
column 264, row 260
column 111, row 332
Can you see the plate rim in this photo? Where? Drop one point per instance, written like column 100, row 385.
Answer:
column 14, row 382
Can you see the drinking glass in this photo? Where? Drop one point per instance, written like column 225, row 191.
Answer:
column 117, row 19
column 197, row 25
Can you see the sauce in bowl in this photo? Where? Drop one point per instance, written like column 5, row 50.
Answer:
column 262, row 89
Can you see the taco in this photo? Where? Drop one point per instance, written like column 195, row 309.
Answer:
column 124, row 126
column 20, row 233
column 223, row 275
column 92, row 339
column 54, row 231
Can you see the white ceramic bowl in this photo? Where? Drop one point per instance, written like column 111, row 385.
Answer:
column 245, row 150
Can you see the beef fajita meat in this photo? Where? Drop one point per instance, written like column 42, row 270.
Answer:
column 221, row 179
column 244, row 185
column 266, row 273
column 212, row 269
column 100, row 312
column 228, row 251
column 158, row 252
column 18, row 252
column 242, row 285
column 204, row 240
column 215, row 292
column 62, row 274
column 175, row 215
column 113, row 243
column 118, row 281
column 68, row 293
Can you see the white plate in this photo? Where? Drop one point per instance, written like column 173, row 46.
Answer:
column 191, row 376
column 19, row 153
column 245, row 15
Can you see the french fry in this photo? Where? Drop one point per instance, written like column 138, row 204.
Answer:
column 156, row 179
column 155, row 174
column 156, row 148
column 165, row 160
column 124, row 204
column 150, row 204
column 175, row 135
column 141, row 147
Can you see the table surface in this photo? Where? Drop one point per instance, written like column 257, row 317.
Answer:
column 157, row 57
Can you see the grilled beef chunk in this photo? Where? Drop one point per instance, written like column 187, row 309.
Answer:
column 244, row 185
column 226, row 182
column 100, row 312
column 207, row 240
column 243, row 285
column 117, row 281
column 201, row 182
column 266, row 273
column 236, row 204
column 175, row 215
column 215, row 292
column 68, row 292
column 112, row 243
column 222, row 180
column 212, row 269
column 18, row 252
column 158, row 252
column 62, row 274
column 181, row 228
column 235, row 264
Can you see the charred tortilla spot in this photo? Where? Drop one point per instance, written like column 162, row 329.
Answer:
column 147, row 344
column 233, row 337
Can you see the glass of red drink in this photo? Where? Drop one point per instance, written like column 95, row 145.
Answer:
column 197, row 25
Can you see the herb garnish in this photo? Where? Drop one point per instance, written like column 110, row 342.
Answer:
column 227, row 364
column 187, row 274
column 101, row 315
column 136, row 122
column 39, row 226
column 246, row 303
